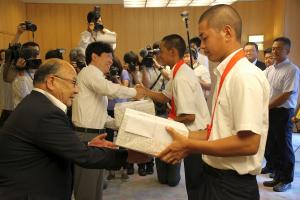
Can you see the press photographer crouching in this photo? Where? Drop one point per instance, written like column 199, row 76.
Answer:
column 26, row 65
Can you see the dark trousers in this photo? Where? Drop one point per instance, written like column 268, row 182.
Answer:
column 4, row 115
column 167, row 173
column 279, row 144
column 219, row 184
column 193, row 172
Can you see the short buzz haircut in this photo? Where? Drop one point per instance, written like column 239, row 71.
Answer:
column 196, row 40
column 175, row 41
column 50, row 66
column 97, row 48
column 267, row 50
column 221, row 15
column 252, row 44
column 286, row 41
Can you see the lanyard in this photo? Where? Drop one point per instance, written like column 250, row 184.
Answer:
column 172, row 113
column 239, row 55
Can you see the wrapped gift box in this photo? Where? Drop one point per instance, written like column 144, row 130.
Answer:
column 146, row 133
column 146, row 106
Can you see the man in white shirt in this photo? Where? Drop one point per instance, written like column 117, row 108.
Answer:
column 187, row 101
column 201, row 59
column 284, row 79
column 234, row 152
column 96, row 32
column 89, row 111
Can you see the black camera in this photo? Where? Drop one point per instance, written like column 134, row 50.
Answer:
column 98, row 26
column 147, row 55
column 29, row 26
column 29, row 54
column 12, row 53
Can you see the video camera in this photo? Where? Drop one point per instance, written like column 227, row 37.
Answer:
column 147, row 55
column 29, row 54
column 29, row 26
column 97, row 15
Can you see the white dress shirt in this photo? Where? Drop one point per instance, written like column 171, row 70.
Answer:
column 86, row 38
column 53, row 99
column 284, row 77
column 242, row 106
column 188, row 97
column 89, row 108
column 22, row 86
column 6, row 93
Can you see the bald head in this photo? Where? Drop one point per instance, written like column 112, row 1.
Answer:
column 221, row 15
column 51, row 66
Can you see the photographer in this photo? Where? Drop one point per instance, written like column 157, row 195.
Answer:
column 200, row 70
column 132, row 65
column 23, row 83
column 96, row 31
column 57, row 53
column 12, row 60
column 77, row 59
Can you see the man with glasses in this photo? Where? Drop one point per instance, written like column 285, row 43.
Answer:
column 283, row 77
column 89, row 111
column 38, row 146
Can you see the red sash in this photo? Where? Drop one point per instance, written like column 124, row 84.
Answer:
column 172, row 113
column 239, row 55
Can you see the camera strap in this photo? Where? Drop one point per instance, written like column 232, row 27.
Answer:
column 152, row 86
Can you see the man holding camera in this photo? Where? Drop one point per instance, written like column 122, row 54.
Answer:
column 89, row 111
column 96, row 31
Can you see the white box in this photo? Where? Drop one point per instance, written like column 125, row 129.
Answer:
column 146, row 106
column 146, row 133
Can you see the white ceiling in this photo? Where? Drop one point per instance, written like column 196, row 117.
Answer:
column 84, row 1
column 76, row 1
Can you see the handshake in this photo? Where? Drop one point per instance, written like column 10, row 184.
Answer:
column 141, row 91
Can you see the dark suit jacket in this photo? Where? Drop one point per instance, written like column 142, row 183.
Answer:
column 260, row 65
column 38, row 149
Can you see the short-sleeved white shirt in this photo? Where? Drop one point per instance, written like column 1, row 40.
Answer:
column 188, row 97
column 284, row 77
column 242, row 106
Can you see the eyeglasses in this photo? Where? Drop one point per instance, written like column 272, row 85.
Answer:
column 74, row 82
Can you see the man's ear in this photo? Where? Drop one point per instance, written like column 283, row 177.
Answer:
column 228, row 32
column 50, row 83
column 94, row 56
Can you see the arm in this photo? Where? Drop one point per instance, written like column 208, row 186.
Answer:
column 243, row 144
column 185, row 118
column 279, row 100
column 156, row 96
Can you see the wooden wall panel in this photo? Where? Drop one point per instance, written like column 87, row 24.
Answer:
column 292, row 29
column 59, row 25
column 12, row 13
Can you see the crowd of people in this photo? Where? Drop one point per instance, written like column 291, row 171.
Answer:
column 56, row 140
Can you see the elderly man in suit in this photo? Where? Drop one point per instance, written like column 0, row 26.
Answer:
column 38, row 146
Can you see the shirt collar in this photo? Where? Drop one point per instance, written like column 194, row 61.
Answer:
column 93, row 66
column 53, row 99
column 221, row 67
column 286, row 61
column 255, row 61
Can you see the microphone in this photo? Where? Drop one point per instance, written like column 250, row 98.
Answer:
column 185, row 15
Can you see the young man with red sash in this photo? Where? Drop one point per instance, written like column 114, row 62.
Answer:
column 233, row 144
column 188, row 106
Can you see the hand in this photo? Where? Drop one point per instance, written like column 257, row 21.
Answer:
column 91, row 27
column 137, row 157
column 294, row 119
column 156, row 64
column 140, row 91
column 175, row 151
column 99, row 141
column 21, row 63
column 21, row 29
